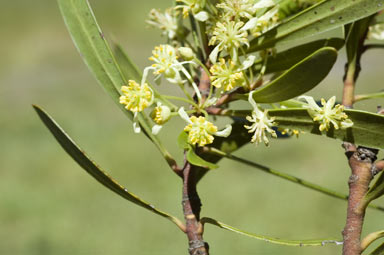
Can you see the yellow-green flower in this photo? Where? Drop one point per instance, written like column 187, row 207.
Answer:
column 261, row 123
column 225, row 75
column 200, row 131
column 165, row 59
column 228, row 36
column 328, row 114
column 136, row 97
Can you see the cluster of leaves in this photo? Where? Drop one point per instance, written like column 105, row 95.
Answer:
column 218, row 52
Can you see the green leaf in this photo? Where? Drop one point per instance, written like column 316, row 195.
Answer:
column 300, row 243
column 322, row 17
column 194, row 159
column 286, row 59
column 182, row 141
column 94, row 49
column 365, row 131
column 355, row 36
column 369, row 96
column 93, row 169
column 299, row 79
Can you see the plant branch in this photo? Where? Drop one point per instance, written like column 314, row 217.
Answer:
column 360, row 161
column 191, row 207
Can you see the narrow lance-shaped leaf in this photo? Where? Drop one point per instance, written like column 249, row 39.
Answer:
column 300, row 243
column 322, row 17
column 94, row 49
column 299, row 79
column 94, row 170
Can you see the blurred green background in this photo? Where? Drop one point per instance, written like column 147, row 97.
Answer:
column 49, row 205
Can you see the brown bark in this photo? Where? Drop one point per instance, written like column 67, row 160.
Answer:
column 360, row 160
column 191, row 207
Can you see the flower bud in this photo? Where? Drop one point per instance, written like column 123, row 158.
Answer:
column 186, row 53
column 161, row 114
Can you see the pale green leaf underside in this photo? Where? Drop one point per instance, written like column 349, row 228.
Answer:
column 367, row 129
column 318, row 242
column 92, row 168
column 325, row 16
column 299, row 79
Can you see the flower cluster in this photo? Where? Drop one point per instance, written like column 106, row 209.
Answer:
column 228, row 26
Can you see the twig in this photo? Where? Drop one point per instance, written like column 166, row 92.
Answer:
column 191, row 207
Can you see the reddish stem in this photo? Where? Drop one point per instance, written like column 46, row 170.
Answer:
column 191, row 207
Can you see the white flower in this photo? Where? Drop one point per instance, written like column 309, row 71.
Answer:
column 328, row 114
column 261, row 123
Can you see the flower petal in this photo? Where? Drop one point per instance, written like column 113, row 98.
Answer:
column 156, row 129
column 225, row 132
column 214, row 53
column 184, row 115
